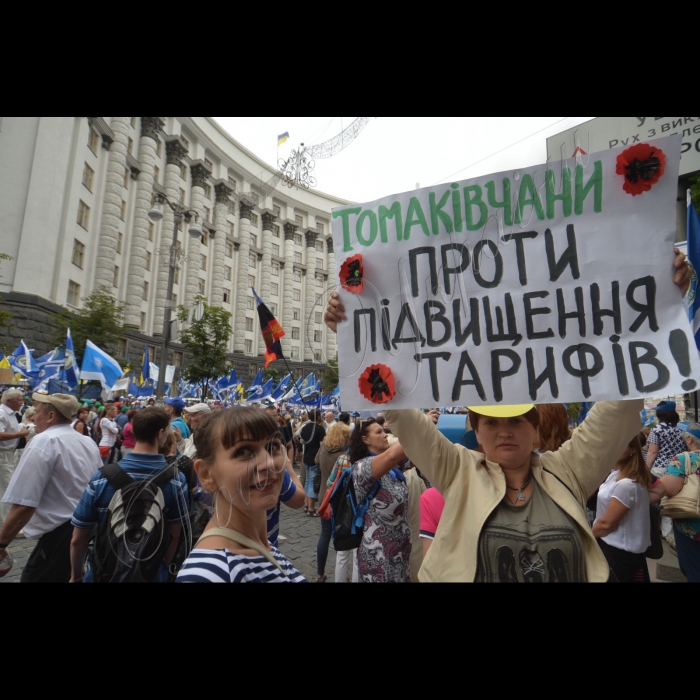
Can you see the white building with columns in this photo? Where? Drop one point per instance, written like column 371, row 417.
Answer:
column 75, row 193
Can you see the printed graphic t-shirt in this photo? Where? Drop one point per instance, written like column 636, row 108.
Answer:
column 536, row 543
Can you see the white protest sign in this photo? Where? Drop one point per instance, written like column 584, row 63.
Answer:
column 551, row 284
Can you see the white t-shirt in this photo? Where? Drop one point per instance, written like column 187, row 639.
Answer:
column 633, row 534
column 52, row 475
column 110, row 430
column 8, row 424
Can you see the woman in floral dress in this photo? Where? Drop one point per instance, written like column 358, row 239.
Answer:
column 385, row 553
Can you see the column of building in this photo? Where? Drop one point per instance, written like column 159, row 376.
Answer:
column 268, row 221
column 311, row 294
column 223, row 205
column 331, row 346
column 242, row 291
column 150, row 128
column 111, row 212
column 200, row 175
column 175, row 151
column 290, row 230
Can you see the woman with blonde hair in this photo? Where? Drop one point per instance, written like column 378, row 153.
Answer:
column 623, row 527
column 333, row 450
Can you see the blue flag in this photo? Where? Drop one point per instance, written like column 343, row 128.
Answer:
column 71, row 373
column 694, row 257
column 282, row 389
column 22, row 362
column 99, row 366
column 146, row 369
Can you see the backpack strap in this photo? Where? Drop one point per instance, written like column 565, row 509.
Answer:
column 116, row 476
column 244, row 541
column 166, row 476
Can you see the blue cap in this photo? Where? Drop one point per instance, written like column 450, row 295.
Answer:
column 668, row 406
column 177, row 404
column 685, row 428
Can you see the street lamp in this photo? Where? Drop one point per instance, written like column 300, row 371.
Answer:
column 195, row 231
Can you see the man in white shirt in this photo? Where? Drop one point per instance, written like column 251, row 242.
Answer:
column 46, row 488
column 10, row 435
column 330, row 421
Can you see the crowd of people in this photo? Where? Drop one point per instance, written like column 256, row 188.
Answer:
column 192, row 493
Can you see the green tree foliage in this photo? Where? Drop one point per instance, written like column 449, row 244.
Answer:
column 5, row 316
column 273, row 374
column 695, row 191
column 101, row 320
column 330, row 377
column 207, row 341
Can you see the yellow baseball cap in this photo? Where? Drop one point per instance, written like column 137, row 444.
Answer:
column 503, row 411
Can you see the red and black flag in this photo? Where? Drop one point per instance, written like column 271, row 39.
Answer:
column 272, row 332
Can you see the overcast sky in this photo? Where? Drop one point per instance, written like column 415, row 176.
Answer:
column 393, row 154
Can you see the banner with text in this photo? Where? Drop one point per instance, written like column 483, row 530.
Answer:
column 550, row 284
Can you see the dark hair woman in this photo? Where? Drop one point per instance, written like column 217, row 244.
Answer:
column 623, row 526
column 241, row 462
column 665, row 441
column 385, row 553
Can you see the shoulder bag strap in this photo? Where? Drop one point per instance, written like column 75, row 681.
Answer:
column 688, row 466
column 242, row 540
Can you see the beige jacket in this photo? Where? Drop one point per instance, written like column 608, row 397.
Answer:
column 474, row 487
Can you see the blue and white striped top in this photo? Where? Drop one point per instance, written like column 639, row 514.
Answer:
column 222, row 566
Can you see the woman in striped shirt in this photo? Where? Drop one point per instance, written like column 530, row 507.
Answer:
column 241, row 460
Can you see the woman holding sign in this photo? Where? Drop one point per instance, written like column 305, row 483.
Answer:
column 512, row 515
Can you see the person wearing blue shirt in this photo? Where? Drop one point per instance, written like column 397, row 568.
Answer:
column 175, row 408
column 151, row 430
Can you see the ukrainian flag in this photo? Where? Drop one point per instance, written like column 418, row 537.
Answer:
column 283, row 138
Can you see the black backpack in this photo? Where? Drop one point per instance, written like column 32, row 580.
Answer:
column 132, row 543
column 347, row 515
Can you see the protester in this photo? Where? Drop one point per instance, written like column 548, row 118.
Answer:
column 333, row 448
column 687, row 532
column 241, row 462
column 175, row 408
column 80, row 426
column 151, row 431
column 129, row 439
column 10, row 436
column 385, row 553
column 623, row 525
column 194, row 416
column 432, row 506
column 109, row 431
column 666, row 440
column 329, row 421
column 122, row 418
column 345, row 418
column 311, row 437
column 46, row 488
column 511, row 514
column 554, row 429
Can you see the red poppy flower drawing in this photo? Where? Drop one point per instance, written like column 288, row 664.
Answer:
column 352, row 275
column 643, row 166
column 377, row 384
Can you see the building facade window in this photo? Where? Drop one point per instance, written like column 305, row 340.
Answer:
column 145, row 291
column 296, row 295
column 253, row 260
column 296, row 333
column 295, row 352
column 227, row 273
column 88, row 177
column 249, row 325
column 229, row 250
column 115, row 281
column 248, row 347
column 275, row 289
column 83, row 215
column 78, row 253
column 73, row 293
column 296, row 314
column 93, row 140
column 276, row 250
column 275, row 269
